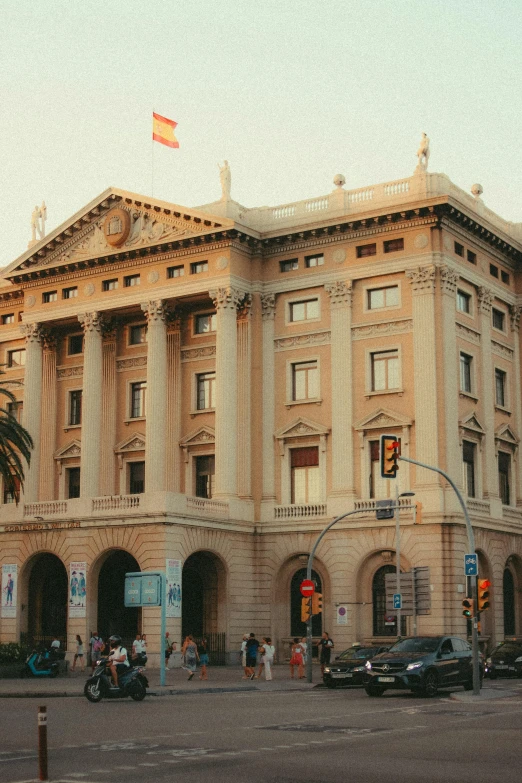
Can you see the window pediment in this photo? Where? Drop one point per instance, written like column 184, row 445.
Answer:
column 134, row 442
column 383, row 418
column 301, row 428
column 200, row 436
column 471, row 424
column 70, row 450
column 506, row 437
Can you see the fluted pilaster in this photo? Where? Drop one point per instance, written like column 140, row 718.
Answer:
column 48, row 445
column 155, row 430
column 173, row 405
column 108, row 436
column 91, row 404
column 448, row 286
column 33, row 383
column 485, row 376
column 514, row 314
column 244, row 392
column 268, row 316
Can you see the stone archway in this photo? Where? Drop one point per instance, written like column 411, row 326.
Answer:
column 203, row 595
column 113, row 617
column 45, row 585
column 511, row 589
column 370, row 599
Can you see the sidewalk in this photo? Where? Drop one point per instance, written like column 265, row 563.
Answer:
column 222, row 679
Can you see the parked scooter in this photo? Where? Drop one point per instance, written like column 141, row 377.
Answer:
column 132, row 683
column 40, row 664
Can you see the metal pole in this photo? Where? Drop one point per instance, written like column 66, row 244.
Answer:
column 414, row 594
column 163, row 587
column 42, row 744
column 471, row 542
column 398, row 555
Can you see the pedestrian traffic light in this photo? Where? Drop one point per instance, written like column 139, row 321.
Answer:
column 306, row 609
column 483, row 586
column 317, row 603
column 390, row 451
column 468, row 608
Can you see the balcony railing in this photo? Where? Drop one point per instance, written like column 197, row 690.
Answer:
column 480, row 507
column 208, row 506
column 308, row 511
column 46, row 508
column 116, row 502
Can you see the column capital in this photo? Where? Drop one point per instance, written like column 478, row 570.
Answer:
column 227, row 298
column 485, row 299
column 514, row 315
column 422, row 279
column 33, row 333
column 155, row 310
column 340, row 293
column 448, row 280
column 267, row 306
column 49, row 339
column 244, row 310
column 91, row 322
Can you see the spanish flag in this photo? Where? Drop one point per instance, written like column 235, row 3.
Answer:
column 163, row 130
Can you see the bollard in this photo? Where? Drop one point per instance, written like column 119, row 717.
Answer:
column 42, row 743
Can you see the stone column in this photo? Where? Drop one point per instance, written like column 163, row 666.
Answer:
column 244, row 393
column 453, row 462
column 33, row 405
column 173, row 457
column 226, row 301
column 514, row 313
column 155, row 429
column 342, row 388
column 108, row 436
column 91, row 405
column 425, row 381
column 268, row 316
column 484, row 378
column 49, row 391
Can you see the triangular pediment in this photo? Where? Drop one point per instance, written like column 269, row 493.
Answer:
column 382, row 418
column 135, row 442
column 300, row 428
column 505, row 433
column 115, row 223
column 472, row 422
column 196, row 437
column 71, row 449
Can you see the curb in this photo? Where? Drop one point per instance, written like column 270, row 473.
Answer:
column 166, row 692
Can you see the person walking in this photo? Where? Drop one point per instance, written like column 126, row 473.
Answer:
column 137, row 648
column 325, row 648
column 297, row 659
column 252, row 647
column 190, row 654
column 267, row 651
column 78, row 655
column 304, row 647
column 243, row 656
column 203, row 657
column 169, row 649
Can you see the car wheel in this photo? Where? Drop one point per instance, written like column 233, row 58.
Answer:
column 431, row 685
column 374, row 690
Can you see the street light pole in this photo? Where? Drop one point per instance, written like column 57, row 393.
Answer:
column 398, row 554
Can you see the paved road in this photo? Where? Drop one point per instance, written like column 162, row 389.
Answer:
column 274, row 737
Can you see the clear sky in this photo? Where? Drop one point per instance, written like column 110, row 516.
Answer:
column 291, row 92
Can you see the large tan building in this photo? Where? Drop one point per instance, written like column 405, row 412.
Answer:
column 208, row 386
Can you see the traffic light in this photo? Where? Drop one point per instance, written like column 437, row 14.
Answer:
column 483, row 586
column 468, row 608
column 390, row 451
column 317, row 603
column 306, row 609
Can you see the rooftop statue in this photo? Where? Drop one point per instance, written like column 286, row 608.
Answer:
column 225, row 177
column 423, row 153
column 38, row 219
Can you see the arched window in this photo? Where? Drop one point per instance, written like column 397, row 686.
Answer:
column 384, row 624
column 297, row 627
column 508, row 585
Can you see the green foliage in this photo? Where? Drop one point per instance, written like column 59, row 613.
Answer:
column 12, row 653
column 15, row 446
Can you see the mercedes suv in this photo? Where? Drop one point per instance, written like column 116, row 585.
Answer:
column 421, row 664
column 506, row 659
column 349, row 668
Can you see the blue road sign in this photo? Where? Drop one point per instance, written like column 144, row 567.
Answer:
column 397, row 600
column 143, row 590
column 471, row 564
column 133, row 591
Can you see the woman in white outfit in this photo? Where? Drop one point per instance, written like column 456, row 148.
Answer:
column 267, row 658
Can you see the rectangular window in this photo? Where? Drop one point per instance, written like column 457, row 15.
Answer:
column 289, row 266
column 69, row 293
column 136, row 478
column 12, row 497
column 504, row 477
column 16, row 358
column 50, row 296
column 15, row 410
column 73, row 482
column 459, row 249
column 175, row 271
column 383, row 297
column 468, row 462
column 75, row 408
column 465, row 372
column 493, row 270
column 471, row 256
column 385, row 370
column 305, row 476
column 205, row 470
column 304, row 311
column 311, row 261
column 305, row 381
column 138, row 394
column 499, row 319
column 205, row 323
column 504, row 277
column 206, row 390
column 198, row 267
column 137, row 334
column 8, row 319
column 363, row 251
column 463, row 302
column 75, row 344
column 131, row 280
column 110, row 285
column 392, row 245
column 500, row 388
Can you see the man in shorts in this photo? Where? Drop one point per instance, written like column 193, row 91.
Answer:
column 252, row 647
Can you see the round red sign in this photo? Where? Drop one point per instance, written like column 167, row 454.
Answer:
column 307, row 587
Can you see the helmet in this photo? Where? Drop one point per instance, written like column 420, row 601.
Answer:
column 115, row 640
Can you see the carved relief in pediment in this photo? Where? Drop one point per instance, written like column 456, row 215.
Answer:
column 72, row 449
column 133, row 443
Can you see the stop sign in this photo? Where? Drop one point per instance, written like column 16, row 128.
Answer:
column 307, row 587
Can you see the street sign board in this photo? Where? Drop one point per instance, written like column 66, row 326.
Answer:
column 143, row 590
column 415, row 590
column 471, row 564
column 307, row 587
column 397, row 601
column 133, row 591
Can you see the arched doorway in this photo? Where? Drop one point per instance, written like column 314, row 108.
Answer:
column 47, row 601
column 203, row 595
column 384, row 624
column 508, row 587
column 297, row 627
column 113, row 616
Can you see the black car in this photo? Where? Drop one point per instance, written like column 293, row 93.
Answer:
column 505, row 660
column 421, row 664
column 349, row 668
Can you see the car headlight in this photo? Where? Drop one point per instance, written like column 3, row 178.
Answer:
column 411, row 666
column 359, row 668
column 368, row 665
column 327, row 670
column 519, row 659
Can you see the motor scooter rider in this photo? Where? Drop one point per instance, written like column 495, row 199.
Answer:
column 118, row 660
